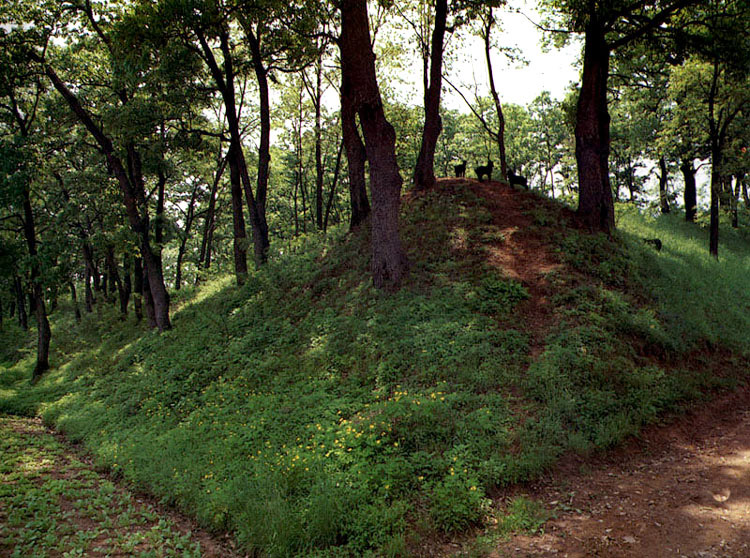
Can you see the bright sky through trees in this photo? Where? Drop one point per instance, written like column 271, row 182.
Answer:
column 551, row 70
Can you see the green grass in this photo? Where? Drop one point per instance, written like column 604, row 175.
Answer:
column 312, row 415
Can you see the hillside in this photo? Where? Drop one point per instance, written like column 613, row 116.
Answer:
column 312, row 415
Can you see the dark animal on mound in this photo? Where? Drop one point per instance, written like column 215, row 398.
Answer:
column 460, row 170
column 485, row 170
column 514, row 178
column 655, row 242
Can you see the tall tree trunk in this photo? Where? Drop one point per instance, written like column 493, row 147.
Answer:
column 210, row 221
column 185, row 236
column 257, row 207
column 332, row 194
column 495, row 97
column 74, row 300
column 389, row 262
column 256, row 204
column 317, row 100
column 117, row 281
column 134, row 197
column 424, row 170
column 356, row 157
column 716, row 164
column 23, row 319
column 148, row 298
column 44, row 333
column 595, row 205
column 663, row 198
column 691, row 196
column 138, row 288
column 127, row 286
column 736, row 202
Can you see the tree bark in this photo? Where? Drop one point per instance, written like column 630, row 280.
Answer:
column 122, row 295
column 257, row 206
column 332, row 194
column 44, row 333
column 359, row 84
column 691, row 196
column 138, row 289
column 23, row 319
column 595, row 204
column 736, row 201
column 74, row 300
column 204, row 259
column 224, row 80
column 134, row 197
column 356, row 157
column 495, row 97
column 185, row 236
column 663, row 199
column 424, row 170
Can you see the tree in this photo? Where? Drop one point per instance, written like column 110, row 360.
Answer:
column 20, row 94
column 607, row 25
column 359, row 89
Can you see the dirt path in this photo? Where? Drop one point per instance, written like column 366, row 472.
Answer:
column 53, row 503
column 523, row 254
column 682, row 490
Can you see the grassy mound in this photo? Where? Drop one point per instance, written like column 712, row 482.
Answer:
column 313, row 415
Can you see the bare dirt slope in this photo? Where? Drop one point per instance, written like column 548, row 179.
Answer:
column 680, row 490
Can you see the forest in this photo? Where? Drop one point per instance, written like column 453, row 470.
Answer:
column 250, row 238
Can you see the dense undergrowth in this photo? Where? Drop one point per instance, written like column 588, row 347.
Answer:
column 312, row 415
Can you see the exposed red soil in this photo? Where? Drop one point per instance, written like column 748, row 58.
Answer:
column 524, row 253
column 678, row 490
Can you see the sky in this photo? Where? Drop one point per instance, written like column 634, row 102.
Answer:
column 516, row 83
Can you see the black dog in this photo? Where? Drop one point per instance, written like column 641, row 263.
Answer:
column 514, row 178
column 485, row 170
column 460, row 170
column 655, row 242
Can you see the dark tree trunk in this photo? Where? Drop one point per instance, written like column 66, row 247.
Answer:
column 225, row 82
column 90, row 273
column 88, row 293
column 23, row 319
column 148, row 298
column 663, row 199
column 32, row 299
column 595, row 205
column 332, row 194
column 134, row 197
column 424, row 171
column 691, row 197
column 713, row 242
column 115, row 275
column 203, row 257
column 495, row 97
column 317, row 99
column 257, row 206
column 74, row 299
column 159, row 217
column 185, row 236
column 356, row 157
column 736, row 201
column 126, row 284
column 716, row 165
column 238, row 218
column 389, row 262
column 138, row 289
column 44, row 333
